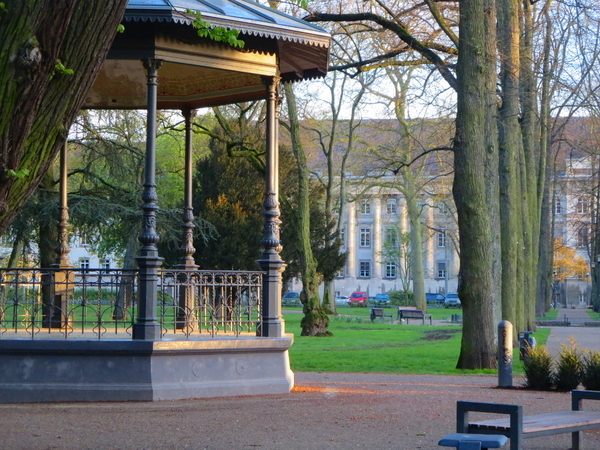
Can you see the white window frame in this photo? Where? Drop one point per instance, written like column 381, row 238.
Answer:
column 364, row 269
column 84, row 263
column 391, row 270
column 391, row 207
column 583, row 237
column 558, row 209
column 365, row 238
column 583, row 205
column 441, row 239
column 391, row 237
column 441, row 270
column 365, row 207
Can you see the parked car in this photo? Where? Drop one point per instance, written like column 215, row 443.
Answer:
column 342, row 300
column 358, row 298
column 291, row 299
column 432, row 297
column 452, row 301
column 382, row 300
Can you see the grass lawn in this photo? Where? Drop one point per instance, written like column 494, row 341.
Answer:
column 550, row 315
column 361, row 346
column 593, row 315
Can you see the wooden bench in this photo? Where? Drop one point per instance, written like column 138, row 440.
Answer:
column 517, row 426
column 378, row 313
column 414, row 314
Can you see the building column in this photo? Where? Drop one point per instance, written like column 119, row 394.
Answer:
column 270, row 262
column 147, row 327
column 377, row 239
column 351, row 239
column 186, row 319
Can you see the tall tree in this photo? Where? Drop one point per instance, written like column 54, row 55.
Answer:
column 50, row 53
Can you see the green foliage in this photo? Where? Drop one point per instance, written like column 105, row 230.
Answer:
column 60, row 68
column 568, row 367
column 228, row 194
column 590, row 370
column 20, row 174
column 3, row 8
column 538, row 369
column 401, row 298
column 121, row 28
column 219, row 34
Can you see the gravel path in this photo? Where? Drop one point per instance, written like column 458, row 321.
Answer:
column 325, row 411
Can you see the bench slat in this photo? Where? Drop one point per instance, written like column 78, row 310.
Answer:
column 542, row 423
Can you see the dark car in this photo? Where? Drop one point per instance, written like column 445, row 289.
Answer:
column 432, row 297
column 291, row 299
column 382, row 300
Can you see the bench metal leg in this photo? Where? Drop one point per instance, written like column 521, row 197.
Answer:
column 575, row 440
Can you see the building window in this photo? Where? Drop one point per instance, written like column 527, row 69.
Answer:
column 105, row 264
column 391, row 271
column 365, row 207
column 558, row 206
column 343, row 238
column 84, row 263
column 582, row 237
column 583, row 205
column 391, row 237
column 83, row 240
column 441, row 270
column 441, row 239
column 365, row 269
column 443, row 207
column 365, row 237
column 341, row 273
column 391, row 206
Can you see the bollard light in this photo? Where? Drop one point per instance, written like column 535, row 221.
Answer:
column 505, row 354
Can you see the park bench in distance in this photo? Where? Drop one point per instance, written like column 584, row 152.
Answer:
column 378, row 313
column 517, row 426
column 414, row 314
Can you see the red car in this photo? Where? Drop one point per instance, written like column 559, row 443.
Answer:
column 358, row 298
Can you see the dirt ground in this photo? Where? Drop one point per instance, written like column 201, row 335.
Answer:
column 324, row 411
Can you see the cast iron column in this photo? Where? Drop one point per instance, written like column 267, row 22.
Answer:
column 186, row 319
column 61, row 282
column 146, row 326
column 270, row 262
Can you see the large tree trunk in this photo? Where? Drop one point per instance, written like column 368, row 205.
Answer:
column 475, row 276
column 532, row 182
column 492, row 160
column 315, row 321
column 39, row 101
column 510, row 147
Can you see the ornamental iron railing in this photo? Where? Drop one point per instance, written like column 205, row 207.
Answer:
column 101, row 303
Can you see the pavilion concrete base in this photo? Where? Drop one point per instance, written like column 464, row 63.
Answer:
column 126, row 370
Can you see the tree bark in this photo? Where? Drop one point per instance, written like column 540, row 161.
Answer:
column 315, row 321
column 475, row 276
column 39, row 101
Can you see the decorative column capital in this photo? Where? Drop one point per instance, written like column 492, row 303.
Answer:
column 152, row 65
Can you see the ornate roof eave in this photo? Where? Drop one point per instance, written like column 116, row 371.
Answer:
column 268, row 23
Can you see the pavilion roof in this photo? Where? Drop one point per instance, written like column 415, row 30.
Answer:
column 197, row 71
column 248, row 17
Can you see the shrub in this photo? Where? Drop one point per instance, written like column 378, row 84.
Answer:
column 590, row 370
column 401, row 298
column 538, row 369
column 568, row 367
